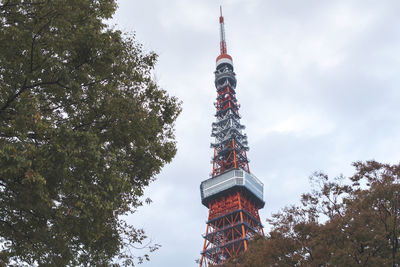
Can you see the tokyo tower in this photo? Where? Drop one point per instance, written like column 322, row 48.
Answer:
column 233, row 194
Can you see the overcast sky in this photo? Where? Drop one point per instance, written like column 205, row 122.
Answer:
column 318, row 84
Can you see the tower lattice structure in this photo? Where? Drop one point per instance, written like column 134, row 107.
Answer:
column 233, row 195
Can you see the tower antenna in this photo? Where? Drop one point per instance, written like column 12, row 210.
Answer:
column 222, row 33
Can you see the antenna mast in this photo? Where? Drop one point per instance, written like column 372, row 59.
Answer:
column 222, row 33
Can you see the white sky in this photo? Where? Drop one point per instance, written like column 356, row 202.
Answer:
column 318, row 84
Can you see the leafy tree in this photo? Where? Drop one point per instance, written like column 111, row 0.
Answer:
column 83, row 129
column 353, row 222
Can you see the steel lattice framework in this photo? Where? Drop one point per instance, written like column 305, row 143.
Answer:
column 233, row 195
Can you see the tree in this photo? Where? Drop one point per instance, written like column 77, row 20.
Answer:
column 83, row 129
column 344, row 222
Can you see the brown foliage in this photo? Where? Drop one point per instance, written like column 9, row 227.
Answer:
column 344, row 222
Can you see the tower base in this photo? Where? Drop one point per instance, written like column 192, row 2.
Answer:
column 233, row 219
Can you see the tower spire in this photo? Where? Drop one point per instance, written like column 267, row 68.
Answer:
column 222, row 33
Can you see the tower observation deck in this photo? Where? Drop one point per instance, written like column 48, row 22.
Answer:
column 233, row 194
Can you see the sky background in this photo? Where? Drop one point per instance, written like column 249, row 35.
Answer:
column 318, row 84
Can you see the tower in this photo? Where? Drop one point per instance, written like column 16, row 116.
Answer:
column 233, row 195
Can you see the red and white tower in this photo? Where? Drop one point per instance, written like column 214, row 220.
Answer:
column 233, row 195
